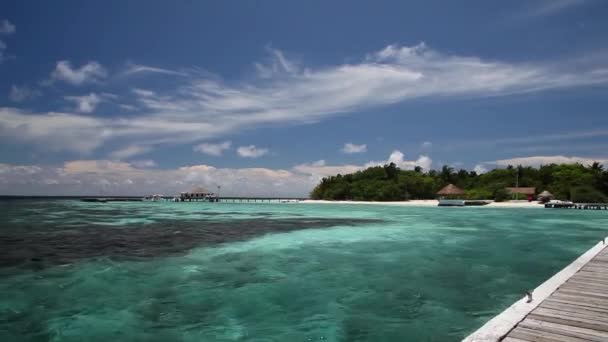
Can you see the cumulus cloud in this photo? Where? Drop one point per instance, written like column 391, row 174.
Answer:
column 140, row 177
column 20, row 94
column 480, row 169
column 320, row 169
column 213, row 149
column 89, row 72
column 85, row 103
column 398, row 158
column 251, row 151
column 82, row 177
column 536, row 161
column 350, row 148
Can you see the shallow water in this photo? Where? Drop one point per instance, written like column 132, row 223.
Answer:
column 74, row 271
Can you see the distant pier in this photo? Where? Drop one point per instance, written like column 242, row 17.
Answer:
column 580, row 206
column 201, row 199
column 572, row 306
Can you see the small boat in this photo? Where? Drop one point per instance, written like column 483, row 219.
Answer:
column 461, row 203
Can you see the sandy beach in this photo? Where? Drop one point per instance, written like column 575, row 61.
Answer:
column 433, row 203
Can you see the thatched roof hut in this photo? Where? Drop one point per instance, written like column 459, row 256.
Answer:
column 196, row 193
column 545, row 194
column 450, row 190
column 523, row 191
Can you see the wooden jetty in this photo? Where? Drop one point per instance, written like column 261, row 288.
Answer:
column 580, row 206
column 572, row 306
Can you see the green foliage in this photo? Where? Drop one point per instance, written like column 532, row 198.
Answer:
column 479, row 194
column 501, row 195
column 586, row 194
column 389, row 183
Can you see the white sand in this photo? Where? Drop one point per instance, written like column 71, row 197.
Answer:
column 433, row 203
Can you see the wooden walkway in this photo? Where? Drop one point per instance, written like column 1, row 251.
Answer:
column 576, row 312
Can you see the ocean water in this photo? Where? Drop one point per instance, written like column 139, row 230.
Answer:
column 76, row 271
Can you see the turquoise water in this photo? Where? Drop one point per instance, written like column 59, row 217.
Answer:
column 75, row 271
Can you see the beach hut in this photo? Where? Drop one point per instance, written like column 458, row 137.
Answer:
column 451, row 191
column 545, row 196
column 529, row 192
column 450, row 196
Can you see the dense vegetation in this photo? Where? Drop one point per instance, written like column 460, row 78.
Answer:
column 574, row 182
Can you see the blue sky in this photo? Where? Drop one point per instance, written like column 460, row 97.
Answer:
column 267, row 97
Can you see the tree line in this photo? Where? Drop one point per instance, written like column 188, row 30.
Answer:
column 576, row 182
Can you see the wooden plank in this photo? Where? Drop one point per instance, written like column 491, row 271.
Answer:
column 593, row 301
column 576, row 312
column 592, row 293
column 542, row 336
column 566, row 330
column 585, row 287
column 569, row 314
column 586, row 281
column 593, row 273
column 511, row 339
column 574, row 321
column 573, row 308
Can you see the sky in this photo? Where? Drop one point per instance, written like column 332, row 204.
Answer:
column 264, row 98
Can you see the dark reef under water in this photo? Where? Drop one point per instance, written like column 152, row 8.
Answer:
column 37, row 248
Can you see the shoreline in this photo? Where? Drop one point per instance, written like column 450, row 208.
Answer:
column 431, row 203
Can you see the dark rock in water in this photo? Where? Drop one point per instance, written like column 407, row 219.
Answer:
column 39, row 248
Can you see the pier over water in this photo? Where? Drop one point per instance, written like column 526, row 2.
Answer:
column 572, row 306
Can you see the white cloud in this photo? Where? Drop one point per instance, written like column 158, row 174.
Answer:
column 143, row 92
column 89, row 72
column 480, row 169
column 19, row 94
column 134, row 69
column 129, row 151
column 139, row 177
column 54, row 131
column 82, row 177
column 213, row 149
column 319, row 169
column 550, row 7
column 399, row 159
column 251, row 151
column 6, row 27
column 146, row 163
column 350, row 148
column 536, row 161
column 204, row 107
column 127, row 107
column 427, row 145
column 85, row 103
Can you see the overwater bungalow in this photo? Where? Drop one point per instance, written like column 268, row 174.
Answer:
column 197, row 194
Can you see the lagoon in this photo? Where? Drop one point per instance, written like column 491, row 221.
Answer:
column 75, row 271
